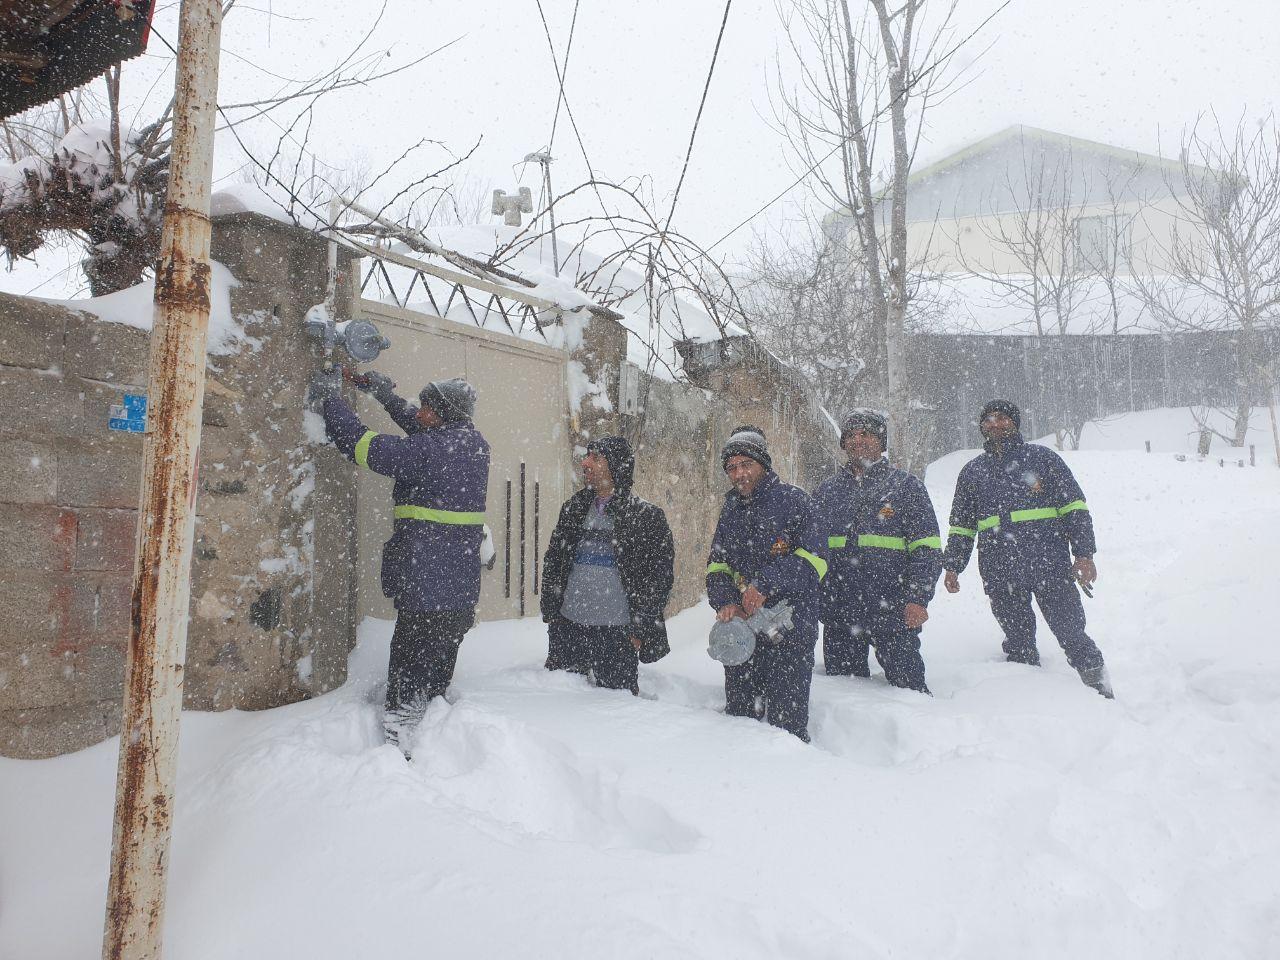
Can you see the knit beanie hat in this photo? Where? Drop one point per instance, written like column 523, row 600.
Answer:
column 747, row 441
column 617, row 454
column 453, row 399
column 872, row 421
column 1007, row 407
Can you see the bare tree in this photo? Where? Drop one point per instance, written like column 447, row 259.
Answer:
column 1031, row 226
column 867, row 78
column 1222, row 258
column 38, row 130
column 1105, row 245
column 808, row 301
column 76, row 170
column 1058, row 248
column 636, row 258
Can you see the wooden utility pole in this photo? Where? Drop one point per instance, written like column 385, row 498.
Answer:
column 166, row 515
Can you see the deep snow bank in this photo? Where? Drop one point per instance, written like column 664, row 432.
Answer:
column 1016, row 814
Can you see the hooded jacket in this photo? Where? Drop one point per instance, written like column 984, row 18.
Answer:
column 1022, row 507
column 642, row 545
column 432, row 561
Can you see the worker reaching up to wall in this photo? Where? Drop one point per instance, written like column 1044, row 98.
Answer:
column 431, row 564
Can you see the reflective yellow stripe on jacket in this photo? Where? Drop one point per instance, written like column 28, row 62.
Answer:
column 813, row 560
column 1022, row 516
column 433, row 515
column 361, row 454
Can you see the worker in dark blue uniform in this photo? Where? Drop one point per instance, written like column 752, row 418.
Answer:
column 1019, row 503
column 766, row 549
column 884, row 555
column 431, row 564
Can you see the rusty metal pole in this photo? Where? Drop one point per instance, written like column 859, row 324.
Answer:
column 166, row 515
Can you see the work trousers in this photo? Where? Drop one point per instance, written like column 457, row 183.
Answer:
column 845, row 647
column 773, row 685
column 603, row 654
column 424, row 650
column 1059, row 601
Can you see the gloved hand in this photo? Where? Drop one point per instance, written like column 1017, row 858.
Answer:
column 324, row 385
column 377, row 385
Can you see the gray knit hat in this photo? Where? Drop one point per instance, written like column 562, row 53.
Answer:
column 747, row 441
column 453, row 399
column 1007, row 407
column 872, row 421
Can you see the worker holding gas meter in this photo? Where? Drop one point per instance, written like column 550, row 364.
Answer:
column 763, row 576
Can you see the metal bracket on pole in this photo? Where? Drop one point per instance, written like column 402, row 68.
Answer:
column 544, row 158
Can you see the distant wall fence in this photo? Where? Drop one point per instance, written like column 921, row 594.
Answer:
column 1062, row 381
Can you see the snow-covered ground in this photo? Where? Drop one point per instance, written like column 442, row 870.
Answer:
column 1014, row 815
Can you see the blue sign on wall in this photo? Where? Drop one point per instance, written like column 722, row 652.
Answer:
column 129, row 416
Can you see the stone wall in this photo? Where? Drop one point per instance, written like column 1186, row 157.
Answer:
column 268, row 625
column 681, row 428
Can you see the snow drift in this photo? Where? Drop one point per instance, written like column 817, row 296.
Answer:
column 1016, row 814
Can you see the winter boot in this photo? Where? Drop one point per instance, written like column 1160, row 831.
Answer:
column 400, row 724
column 1031, row 656
column 393, row 728
column 1097, row 678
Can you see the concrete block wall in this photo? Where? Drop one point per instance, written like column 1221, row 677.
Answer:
column 68, row 499
column 268, row 624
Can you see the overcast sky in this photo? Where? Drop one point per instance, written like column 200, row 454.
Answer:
column 1132, row 74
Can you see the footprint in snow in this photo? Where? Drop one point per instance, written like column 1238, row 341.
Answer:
column 499, row 769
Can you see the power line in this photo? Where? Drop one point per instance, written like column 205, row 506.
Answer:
column 844, row 140
column 567, row 109
column 591, row 173
column 706, row 87
column 562, row 73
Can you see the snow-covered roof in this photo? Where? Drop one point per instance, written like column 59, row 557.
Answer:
column 1019, row 131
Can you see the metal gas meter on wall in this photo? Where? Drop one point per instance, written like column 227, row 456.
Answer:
column 361, row 340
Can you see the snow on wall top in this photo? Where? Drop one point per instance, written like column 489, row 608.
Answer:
column 251, row 198
column 134, row 307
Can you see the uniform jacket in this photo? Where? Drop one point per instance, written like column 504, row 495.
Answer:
column 883, row 545
column 771, row 540
column 432, row 561
column 1021, row 505
column 642, row 546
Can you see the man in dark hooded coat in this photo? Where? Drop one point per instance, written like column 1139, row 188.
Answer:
column 607, row 574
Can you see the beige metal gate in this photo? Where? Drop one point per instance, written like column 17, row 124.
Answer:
column 522, row 411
